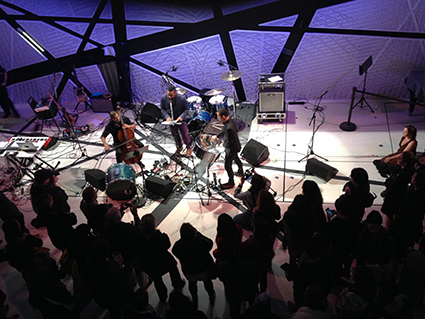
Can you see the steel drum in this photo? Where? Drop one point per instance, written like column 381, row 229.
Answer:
column 121, row 182
column 207, row 149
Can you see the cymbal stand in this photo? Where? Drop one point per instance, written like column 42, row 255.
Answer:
column 231, row 69
column 319, row 109
column 235, row 115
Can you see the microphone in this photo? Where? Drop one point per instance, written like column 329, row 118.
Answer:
column 321, row 95
column 175, row 68
column 220, row 63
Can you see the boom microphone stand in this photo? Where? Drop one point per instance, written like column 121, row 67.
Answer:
column 317, row 108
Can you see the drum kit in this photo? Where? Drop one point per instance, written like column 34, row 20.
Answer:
column 121, row 177
column 201, row 111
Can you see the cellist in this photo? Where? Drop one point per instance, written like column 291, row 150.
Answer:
column 113, row 127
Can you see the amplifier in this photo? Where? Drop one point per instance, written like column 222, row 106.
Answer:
column 272, row 101
column 271, row 81
column 159, row 186
column 102, row 105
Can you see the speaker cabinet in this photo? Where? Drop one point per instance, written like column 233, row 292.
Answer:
column 102, row 105
column 159, row 186
column 255, row 153
column 96, row 178
column 320, row 169
column 150, row 113
column 271, row 100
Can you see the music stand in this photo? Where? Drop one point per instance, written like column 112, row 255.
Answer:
column 363, row 70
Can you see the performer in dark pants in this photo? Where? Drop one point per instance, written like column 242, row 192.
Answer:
column 232, row 146
column 174, row 107
column 5, row 102
column 113, row 127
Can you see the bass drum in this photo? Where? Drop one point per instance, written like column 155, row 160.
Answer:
column 121, row 182
column 199, row 121
column 195, row 103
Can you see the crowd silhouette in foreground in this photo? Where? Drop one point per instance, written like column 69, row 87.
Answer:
column 344, row 251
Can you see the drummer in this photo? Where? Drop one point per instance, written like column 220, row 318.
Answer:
column 113, row 127
column 175, row 107
column 232, row 146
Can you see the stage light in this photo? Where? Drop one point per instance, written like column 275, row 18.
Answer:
column 30, row 40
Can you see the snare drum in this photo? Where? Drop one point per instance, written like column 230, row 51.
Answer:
column 218, row 101
column 194, row 102
column 121, row 182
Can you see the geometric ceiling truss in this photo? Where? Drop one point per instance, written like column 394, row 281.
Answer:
column 304, row 31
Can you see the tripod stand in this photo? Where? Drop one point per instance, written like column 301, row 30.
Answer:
column 75, row 136
column 313, row 120
column 363, row 69
column 363, row 99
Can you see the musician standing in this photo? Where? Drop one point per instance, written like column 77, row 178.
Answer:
column 232, row 146
column 174, row 107
column 113, row 127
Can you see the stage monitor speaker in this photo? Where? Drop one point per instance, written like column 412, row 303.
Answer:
column 320, row 169
column 150, row 113
column 96, row 178
column 102, row 105
column 255, row 153
column 159, row 186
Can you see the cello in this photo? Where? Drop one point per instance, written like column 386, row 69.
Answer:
column 126, row 136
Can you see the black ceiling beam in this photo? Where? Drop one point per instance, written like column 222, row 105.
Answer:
column 229, row 52
column 159, row 73
column 91, row 26
column 87, row 58
column 293, row 41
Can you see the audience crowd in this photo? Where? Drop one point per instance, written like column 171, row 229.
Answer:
column 355, row 256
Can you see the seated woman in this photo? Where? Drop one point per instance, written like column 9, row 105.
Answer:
column 249, row 198
column 388, row 164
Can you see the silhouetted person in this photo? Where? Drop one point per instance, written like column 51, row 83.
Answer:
column 155, row 259
column 193, row 251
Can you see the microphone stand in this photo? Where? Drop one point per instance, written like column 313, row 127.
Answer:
column 313, row 120
column 165, row 79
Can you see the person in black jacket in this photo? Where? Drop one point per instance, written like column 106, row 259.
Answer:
column 174, row 107
column 193, row 251
column 59, row 224
column 155, row 259
column 46, row 182
column 94, row 212
column 232, row 146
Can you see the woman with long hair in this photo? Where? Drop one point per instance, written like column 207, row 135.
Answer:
column 388, row 164
column 268, row 210
column 249, row 199
column 312, row 191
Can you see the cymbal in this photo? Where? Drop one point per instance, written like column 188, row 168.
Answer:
column 214, row 92
column 181, row 91
column 231, row 75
